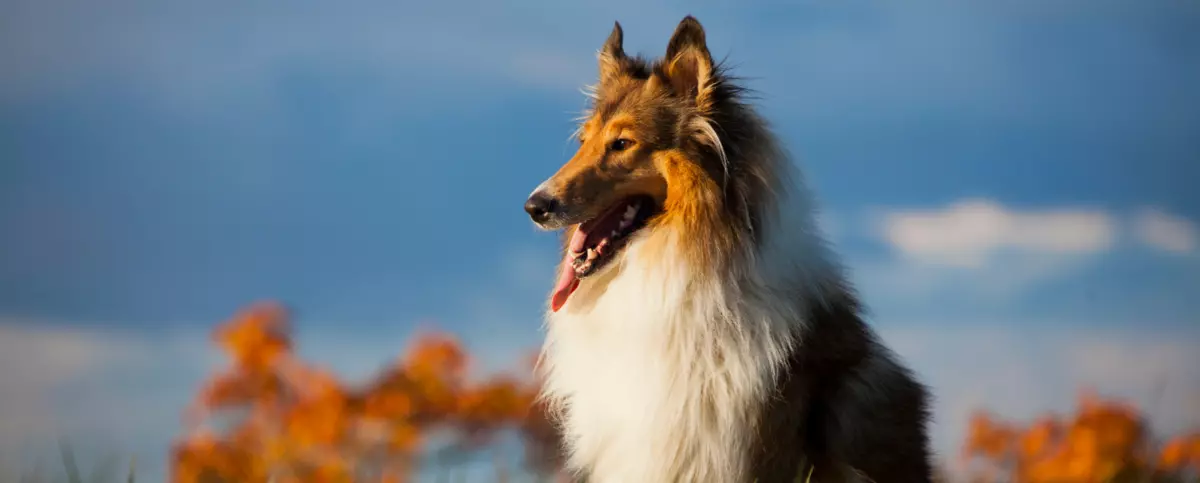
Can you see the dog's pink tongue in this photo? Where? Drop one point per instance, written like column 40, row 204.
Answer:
column 567, row 282
column 566, row 285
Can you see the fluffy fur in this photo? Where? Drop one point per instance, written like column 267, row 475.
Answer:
column 722, row 344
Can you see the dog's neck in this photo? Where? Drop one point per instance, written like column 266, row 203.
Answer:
column 661, row 369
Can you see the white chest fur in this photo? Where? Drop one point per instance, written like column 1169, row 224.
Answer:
column 660, row 374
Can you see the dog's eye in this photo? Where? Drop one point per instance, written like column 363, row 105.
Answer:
column 620, row 144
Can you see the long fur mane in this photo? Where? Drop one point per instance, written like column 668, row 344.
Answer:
column 697, row 354
column 686, row 336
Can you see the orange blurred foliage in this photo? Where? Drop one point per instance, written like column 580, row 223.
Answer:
column 1103, row 441
column 271, row 416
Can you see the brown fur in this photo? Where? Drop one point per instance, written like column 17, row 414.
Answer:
column 843, row 406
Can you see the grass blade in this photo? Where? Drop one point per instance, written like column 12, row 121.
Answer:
column 68, row 459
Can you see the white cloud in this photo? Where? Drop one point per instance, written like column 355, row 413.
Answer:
column 37, row 361
column 979, row 254
column 1165, row 232
column 978, row 251
column 115, row 392
column 969, row 233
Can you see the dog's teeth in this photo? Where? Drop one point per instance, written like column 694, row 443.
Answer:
column 629, row 212
column 613, row 234
column 625, row 224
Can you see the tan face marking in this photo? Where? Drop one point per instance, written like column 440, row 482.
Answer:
column 614, row 160
column 640, row 112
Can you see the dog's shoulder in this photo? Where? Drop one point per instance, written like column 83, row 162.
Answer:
column 845, row 405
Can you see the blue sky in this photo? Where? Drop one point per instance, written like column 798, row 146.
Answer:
column 1011, row 184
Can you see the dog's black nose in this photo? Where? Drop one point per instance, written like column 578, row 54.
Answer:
column 540, row 207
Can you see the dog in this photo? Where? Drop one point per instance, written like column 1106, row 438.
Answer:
column 699, row 328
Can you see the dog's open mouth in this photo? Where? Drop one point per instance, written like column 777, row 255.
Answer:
column 597, row 241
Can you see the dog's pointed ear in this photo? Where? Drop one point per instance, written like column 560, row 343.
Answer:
column 612, row 54
column 688, row 64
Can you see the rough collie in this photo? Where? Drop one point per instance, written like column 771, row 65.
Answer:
column 699, row 329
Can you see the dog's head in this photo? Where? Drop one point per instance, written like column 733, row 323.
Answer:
column 643, row 117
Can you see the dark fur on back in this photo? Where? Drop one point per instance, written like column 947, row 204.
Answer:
column 837, row 414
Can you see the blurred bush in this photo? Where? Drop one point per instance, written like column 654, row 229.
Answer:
column 1104, row 441
column 273, row 417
